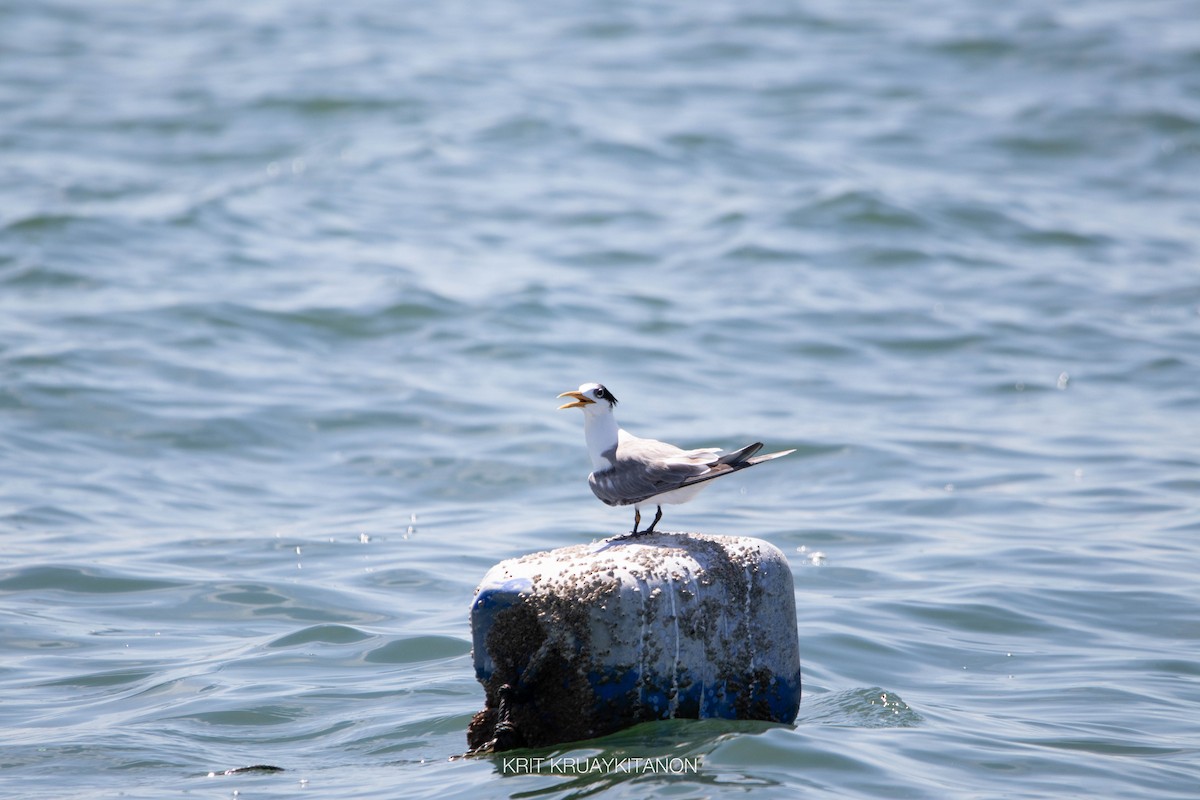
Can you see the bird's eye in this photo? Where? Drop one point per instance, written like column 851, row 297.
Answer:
column 601, row 393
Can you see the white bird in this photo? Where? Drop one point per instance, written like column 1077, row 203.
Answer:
column 628, row 470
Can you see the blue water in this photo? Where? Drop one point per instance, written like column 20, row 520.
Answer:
column 287, row 290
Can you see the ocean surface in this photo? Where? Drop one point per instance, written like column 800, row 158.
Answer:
column 288, row 289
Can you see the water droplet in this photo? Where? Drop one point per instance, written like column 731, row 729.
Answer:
column 1063, row 380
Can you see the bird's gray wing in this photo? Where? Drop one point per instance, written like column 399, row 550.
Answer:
column 645, row 467
column 741, row 454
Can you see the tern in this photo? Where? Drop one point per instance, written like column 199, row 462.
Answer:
column 628, row 470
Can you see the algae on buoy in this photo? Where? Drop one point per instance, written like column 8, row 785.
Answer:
column 586, row 640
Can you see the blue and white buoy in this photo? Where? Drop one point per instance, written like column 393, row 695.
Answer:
column 585, row 640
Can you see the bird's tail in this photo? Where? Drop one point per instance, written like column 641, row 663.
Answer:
column 769, row 456
column 732, row 462
column 744, row 457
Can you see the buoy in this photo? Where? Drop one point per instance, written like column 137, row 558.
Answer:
column 585, row 640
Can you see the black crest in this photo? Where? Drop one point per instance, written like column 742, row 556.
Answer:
column 605, row 394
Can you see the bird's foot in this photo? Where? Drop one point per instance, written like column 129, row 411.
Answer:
column 627, row 536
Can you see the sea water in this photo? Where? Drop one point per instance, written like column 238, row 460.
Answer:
column 288, row 289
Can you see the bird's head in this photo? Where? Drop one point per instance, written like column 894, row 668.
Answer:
column 592, row 398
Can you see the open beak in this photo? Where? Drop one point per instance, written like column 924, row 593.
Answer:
column 581, row 400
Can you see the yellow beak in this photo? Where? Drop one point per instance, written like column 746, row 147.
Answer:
column 581, row 400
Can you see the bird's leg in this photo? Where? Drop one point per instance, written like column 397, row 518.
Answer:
column 637, row 520
column 657, row 517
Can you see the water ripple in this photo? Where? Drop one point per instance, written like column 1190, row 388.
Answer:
column 288, row 291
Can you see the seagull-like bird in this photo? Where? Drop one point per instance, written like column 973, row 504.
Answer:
column 628, row 470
